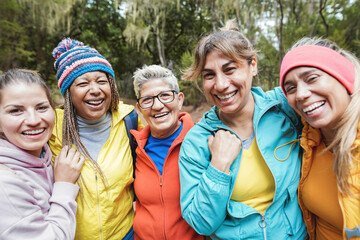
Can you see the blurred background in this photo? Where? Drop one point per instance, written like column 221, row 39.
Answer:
column 131, row 33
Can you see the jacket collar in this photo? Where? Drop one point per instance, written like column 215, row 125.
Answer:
column 142, row 135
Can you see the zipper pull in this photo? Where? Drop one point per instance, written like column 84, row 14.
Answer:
column 262, row 222
column 160, row 181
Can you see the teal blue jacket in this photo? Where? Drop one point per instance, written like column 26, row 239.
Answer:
column 205, row 191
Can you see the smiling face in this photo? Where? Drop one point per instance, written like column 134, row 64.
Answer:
column 91, row 95
column 317, row 96
column 163, row 118
column 26, row 116
column 227, row 83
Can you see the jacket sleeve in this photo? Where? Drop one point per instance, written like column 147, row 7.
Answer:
column 23, row 218
column 204, row 189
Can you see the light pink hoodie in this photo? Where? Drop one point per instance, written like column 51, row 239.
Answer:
column 32, row 206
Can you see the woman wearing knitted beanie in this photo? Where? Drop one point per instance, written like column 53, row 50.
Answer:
column 322, row 83
column 92, row 119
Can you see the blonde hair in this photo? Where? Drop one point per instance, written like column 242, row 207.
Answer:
column 227, row 40
column 346, row 132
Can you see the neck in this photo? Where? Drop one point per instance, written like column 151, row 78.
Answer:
column 328, row 135
column 241, row 121
column 166, row 133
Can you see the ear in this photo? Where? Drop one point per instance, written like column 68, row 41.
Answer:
column 180, row 99
column 139, row 108
column 253, row 64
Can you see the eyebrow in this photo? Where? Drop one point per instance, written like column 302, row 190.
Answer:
column 287, row 82
column 307, row 72
column 223, row 66
column 19, row 106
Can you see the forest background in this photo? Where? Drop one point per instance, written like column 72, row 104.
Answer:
column 131, row 33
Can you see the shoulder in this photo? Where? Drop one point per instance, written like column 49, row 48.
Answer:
column 14, row 191
column 187, row 121
column 121, row 111
column 196, row 138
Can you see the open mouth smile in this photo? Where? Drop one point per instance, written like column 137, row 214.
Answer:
column 161, row 115
column 226, row 97
column 313, row 108
column 33, row 132
column 95, row 102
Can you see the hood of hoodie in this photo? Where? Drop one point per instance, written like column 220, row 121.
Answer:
column 15, row 158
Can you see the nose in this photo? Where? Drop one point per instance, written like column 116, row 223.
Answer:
column 94, row 88
column 157, row 104
column 221, row 82
column 302, row 92
column 32, row 118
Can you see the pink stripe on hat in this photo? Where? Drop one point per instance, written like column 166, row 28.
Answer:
column 320, row 57
column 79, row 62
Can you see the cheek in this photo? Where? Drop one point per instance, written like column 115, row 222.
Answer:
column 207, row 89
column 292, row 101
column 51, row 119
column 145, row 113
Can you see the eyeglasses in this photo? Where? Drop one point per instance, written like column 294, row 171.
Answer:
column 164, row 97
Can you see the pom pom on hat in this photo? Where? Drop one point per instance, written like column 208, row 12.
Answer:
column 73, row 59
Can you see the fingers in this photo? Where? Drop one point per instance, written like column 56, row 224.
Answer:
column 210, row 140
column 68, row 165
column 61, row 155
column 80, row 162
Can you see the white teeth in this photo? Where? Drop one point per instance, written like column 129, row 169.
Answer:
column 95, row 102
column 313, row 107
column 226, row 97
column 160, row 115
column 34, row 132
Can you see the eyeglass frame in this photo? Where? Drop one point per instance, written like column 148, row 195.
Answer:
column 157, row 96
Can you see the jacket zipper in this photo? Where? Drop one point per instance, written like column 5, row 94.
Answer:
column 162, row 203
column 262, row 224
column 101, row 237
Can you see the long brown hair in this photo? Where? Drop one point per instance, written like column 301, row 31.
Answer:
column 227, row 40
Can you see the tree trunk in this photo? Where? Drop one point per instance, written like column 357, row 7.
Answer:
column 280, row 30
column 160, row 47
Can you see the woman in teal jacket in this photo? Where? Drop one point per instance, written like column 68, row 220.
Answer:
column 240, row 165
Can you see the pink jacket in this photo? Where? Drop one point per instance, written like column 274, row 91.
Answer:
column 31, row 205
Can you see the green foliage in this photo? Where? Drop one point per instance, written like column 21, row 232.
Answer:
column 131, row 33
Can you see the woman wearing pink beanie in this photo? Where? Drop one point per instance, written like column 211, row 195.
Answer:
column 322, row 83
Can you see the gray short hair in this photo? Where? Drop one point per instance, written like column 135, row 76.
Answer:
column 152, row 72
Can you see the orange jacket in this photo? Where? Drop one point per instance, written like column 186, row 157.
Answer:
column 158, row 213
column 350, row 205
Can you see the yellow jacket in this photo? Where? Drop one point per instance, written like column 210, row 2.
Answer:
column 350, row 205
column 105, row 214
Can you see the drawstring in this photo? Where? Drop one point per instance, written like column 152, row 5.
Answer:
column 292, row 144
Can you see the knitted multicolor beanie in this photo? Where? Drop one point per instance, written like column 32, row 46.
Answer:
column 73, row 58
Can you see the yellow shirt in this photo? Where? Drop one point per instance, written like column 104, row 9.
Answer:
column 254, row 184
column 320, row 196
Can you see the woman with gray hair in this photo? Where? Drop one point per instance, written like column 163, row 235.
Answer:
column 157, row 184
